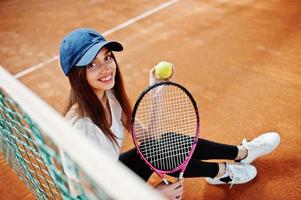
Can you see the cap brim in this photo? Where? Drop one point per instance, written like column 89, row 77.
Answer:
column 89, row 56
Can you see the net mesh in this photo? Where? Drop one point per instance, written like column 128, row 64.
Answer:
column 166, row 125
column 35, row 157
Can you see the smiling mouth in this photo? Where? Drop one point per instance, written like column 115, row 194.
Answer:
column 106, row 79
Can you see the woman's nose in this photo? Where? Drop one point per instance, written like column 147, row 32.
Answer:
column 104, row 68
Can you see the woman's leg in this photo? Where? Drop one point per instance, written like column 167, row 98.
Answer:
column 245, row 153
column 197, row 168
column 206, row 150
column 133, row 161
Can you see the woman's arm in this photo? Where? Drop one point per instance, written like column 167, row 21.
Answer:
column 139, row 126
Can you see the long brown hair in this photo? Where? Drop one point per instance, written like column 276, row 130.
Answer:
column 90, row 106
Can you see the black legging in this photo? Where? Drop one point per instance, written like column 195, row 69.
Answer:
column 204, row 150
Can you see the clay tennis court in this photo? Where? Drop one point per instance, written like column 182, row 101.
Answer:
column 239, row 58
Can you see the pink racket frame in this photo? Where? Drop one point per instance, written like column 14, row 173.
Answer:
column 183, row 166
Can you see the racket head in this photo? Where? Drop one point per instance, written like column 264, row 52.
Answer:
column 161, row 110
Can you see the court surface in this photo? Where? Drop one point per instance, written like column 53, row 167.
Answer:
column 239, row 58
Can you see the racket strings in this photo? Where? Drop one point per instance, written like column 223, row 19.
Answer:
column 166, row 126
column 154, row 155
column 168, row 157
column 185, row 112
column 166, row 160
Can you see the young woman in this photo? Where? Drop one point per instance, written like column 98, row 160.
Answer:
column 100, row 108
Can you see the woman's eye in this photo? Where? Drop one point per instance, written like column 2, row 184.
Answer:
column 92, row 65
column 108, row 58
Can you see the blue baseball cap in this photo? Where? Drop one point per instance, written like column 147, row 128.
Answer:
column 80, row 47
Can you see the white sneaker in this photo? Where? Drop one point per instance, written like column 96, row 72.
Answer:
column 235, row 174
column 260, row 146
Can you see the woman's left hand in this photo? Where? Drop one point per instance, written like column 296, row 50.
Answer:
column 172, row 191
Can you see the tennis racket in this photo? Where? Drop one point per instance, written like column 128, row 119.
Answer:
column 165, row 127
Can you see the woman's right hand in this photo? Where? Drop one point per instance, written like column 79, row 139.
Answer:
column 171, row 191
column 153, row 79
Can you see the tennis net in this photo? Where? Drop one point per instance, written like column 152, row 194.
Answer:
column 32, row 136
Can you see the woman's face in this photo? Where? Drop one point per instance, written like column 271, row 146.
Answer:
column 101, row 72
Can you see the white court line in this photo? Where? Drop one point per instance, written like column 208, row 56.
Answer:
column 35, row 67
column 110, row 31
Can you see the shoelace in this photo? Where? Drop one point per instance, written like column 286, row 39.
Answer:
column 233, row 178
column 251, row 147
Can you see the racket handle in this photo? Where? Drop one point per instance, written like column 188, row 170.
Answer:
column 165, row 181
column 181, row 175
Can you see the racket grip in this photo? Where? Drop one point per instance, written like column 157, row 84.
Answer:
column 165, row 181
column 181, row 175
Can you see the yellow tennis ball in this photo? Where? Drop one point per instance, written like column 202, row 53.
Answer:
column 163, row 70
